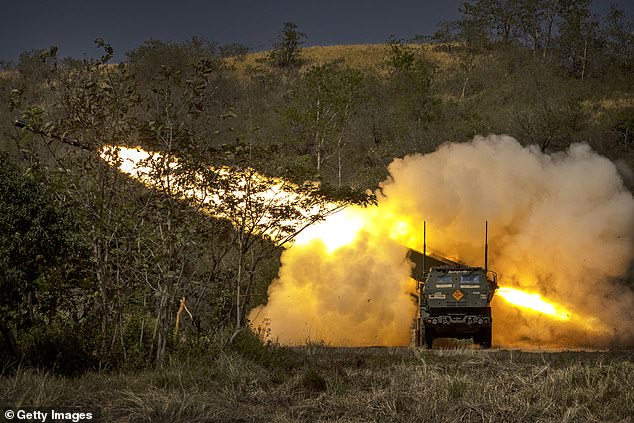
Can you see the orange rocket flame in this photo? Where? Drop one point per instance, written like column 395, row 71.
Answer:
column 138, row 164
column 533, row 302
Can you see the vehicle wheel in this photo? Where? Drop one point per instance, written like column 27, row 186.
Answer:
column 417, row 335
column 429, row 338
column 424, row 337
column 485, row 338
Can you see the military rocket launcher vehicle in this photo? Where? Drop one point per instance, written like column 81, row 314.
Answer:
column 454, row 300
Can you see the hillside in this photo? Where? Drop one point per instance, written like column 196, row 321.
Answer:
column 499, row 91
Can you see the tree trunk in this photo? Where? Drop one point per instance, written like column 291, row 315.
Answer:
column 549, row 35
column 585, row 59
column 238, row 282
column 464, row 87
column 317, row 135
column 163, row 329
column 339, row 167
column 238, row 327
column 100, row 256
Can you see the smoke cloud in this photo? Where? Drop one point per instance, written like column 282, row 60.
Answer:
column 560, row 225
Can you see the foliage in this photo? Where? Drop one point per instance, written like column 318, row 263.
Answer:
column 624, row 126
column 550, row 125
column 618, row 35
column 287, row 51
column 62, row 346
column 446, row 35
column 321, row 106
column 411, row 76
column 37, row 252
column 149, row 59
column 36, row 64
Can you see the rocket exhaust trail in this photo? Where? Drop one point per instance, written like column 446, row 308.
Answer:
column 346, row 280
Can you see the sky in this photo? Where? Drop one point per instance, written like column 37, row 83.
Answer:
column 73, row 25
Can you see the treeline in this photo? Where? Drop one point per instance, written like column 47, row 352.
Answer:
column 98, row 271
column 566, row 32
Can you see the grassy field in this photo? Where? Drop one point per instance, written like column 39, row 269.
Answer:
column 364, row 57
column 350, row 385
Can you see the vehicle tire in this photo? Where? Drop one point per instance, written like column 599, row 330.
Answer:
column 417, row 335
column 485, row 338
column 429, row 338
column 429, row 341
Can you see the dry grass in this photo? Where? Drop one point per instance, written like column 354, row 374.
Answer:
column 362, row 56
column 8, row 74
column 365, row 57
column 350, row 385
column 601, row 107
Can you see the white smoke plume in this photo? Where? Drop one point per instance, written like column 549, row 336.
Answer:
column 560, row 225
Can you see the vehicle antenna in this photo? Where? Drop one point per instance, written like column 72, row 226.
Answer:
column 486, row 246
column 424, row 246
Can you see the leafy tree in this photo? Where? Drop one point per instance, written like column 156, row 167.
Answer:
column 94, row 103
column 142, row 245
column 322, row 105
column 551, row 11
column 153, row 57
column 550, row 124
column 531, row 19
column 176, row 115
column 619, row 36
column 36, row 64
column 37, row 245
column 267, row 214
column 624, row 126
column 409, row 82
column 287, row 51
column 473, row 33
column 497, row 17
column 578, row 38
column 446, row 34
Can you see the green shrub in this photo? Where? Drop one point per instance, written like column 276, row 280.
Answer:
column 59, row 347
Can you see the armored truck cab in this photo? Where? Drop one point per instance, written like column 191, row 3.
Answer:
column 455, row 302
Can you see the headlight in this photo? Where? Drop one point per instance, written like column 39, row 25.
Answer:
column 434, row 321
column 480, row 321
